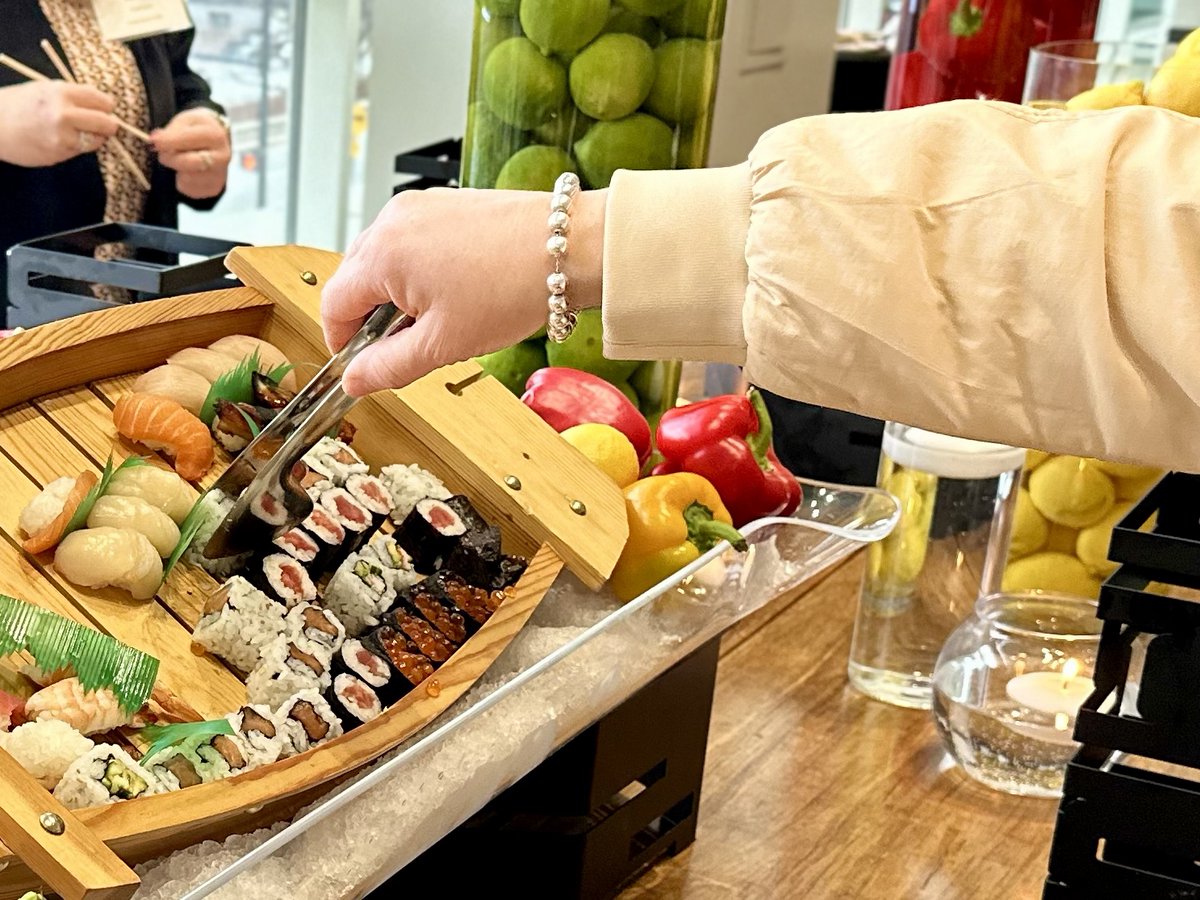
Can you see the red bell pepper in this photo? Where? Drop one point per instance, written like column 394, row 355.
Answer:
column 728, row 441
column 565, row 397
column 988, row 41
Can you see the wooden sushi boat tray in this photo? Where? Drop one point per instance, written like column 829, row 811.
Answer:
column 58, row 383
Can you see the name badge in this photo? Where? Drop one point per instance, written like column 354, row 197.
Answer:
column 128, row 20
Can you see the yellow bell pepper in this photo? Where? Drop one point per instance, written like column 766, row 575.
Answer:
column 672, row 520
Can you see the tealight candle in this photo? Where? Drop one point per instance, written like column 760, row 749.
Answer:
column 1058, row 694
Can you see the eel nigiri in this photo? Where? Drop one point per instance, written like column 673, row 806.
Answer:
column 185, row 386
column 88, row 712
column 163, row 424
column 135, row 513
column 116, row 557
column 46, row 516
column 209, row 363
column 160, row 488
column 270, row 357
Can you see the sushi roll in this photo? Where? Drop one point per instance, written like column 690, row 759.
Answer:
column 438, row 610
column 353, row 701
column 137, row 514
column 409, row 665
column 316, row 625
column 331, row 538
column 373, row 496
column 475, row 603
column 158, row 487
column 397, row 564
column 230, row 754
column 428, row 640
column 105, row 774
column 261, row 730
column 358, row 593
column 299, row 545
column 509, row 573
column 371, row 666
column 45, row 749
column 315, row 483
column 239, row 621
column 216, row 505
column 351, row 515
column 202, row 759
column 282, row 578
column 476, row 557
column 110, row 557
column 288, row 666
column 308, row 721
column 407, row 485
column 163, row 424
column 429, row 533
column 335, row 460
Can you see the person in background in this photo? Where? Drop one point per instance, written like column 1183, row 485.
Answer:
column 58, row 167
column 1025, row 276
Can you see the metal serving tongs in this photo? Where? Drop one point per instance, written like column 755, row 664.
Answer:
column 265, row 477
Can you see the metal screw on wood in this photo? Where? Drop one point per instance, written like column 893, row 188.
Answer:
column 52, row 823
column 578, row 508
column 308, row 277
column 513, row 482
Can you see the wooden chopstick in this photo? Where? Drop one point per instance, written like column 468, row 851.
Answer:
column 125, row 156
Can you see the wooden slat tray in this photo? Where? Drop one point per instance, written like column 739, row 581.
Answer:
column 57, row 386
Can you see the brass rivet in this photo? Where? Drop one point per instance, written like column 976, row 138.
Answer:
column 513, row 482
column 578, row 508
column 308, row 277
column 52, row 823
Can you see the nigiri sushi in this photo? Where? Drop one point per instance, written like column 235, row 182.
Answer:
column 160, row 488
column 45, row 749
column 135, row 513
column 209, row 363
column 163, row 424
column 116, row 557
column 12, row 711
column 46, row 516
column 88, row 712
column 186, row 387
column 270, row 357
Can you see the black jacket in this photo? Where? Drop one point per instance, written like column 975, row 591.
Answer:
column 37, row 202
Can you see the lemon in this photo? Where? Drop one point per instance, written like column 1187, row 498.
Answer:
column 487, row 145
column 899, row 557
column 1061, row 539
column 1030, row 529
column 651, row 7
column 635, row 142
column 1126, row 470
column 1071, row 491
column 626, row 21
column 1189, row 45
column 1092, row 545
column 584, row 350
column 520, row 85
column 513, row 365
column 694, row 18
column 1056, row 572
column 612, row 76
column 684, row 81
column 534, row 168
column 1135, row 488
column 1176, row 85
column 1034, row 458
column 1109, row 96
column 563, row 26
column 564, row 128
column 610, row 450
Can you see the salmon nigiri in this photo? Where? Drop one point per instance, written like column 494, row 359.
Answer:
column 163, row 424
column 46, row 517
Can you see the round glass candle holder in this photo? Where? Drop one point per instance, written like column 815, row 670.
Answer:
column 1008, row 684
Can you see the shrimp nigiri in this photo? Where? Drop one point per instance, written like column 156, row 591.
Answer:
column 163, row 424
column 46, row 516
column 88, row 712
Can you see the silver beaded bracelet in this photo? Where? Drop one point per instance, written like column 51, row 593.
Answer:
column 562, row 318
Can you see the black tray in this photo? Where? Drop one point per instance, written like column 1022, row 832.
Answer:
column 51, row 277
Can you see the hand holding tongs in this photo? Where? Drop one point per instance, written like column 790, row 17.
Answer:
column 265, row 473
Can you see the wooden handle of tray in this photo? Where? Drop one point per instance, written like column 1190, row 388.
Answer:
column 76, row 864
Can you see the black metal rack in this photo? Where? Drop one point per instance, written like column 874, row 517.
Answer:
column 52, row 277
column 437, row 165
column 1125, row 831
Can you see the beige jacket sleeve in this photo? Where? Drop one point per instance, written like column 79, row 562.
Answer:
column 988, row 270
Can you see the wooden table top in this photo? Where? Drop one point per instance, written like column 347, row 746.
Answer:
column 813, row 791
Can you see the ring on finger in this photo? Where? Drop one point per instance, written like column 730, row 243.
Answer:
column 206, row 160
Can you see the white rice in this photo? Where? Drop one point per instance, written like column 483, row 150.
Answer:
column 399, row 576
column 245, row 624
column 82, row 786
column 216, row 505
column 407, row 485
column 46, row 749
column 351, row 600
column 261, row 750
column 277, row 676
column 46, row 506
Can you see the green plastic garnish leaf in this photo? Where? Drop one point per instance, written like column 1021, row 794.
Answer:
column 98, row 661
column 188, row 530
column 89, row 500
column 236, row 386
column 280, row 372
column 163, row 736
column 250, row 423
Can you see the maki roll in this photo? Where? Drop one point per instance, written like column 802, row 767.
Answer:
column 350, row 514
column 430, row 642
column 238, row 622
column 330, row 535
column 299, row 545
column 282, row 578
column 358, row 593
column 288, row 666
column 216, row 505
column 475, row 603
column 510, row 571
column 335, row 460
column 429, row 533
column 411, row 667
column 407, row 485
column 467, row 512
column 105, row 774
column 307, row 721
column 315, row 624
column 438, row 610
column 260, row 730
column 372, row 495
column 353, row 701
column 371, row 666
column 397, row 565
column 477, row 557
